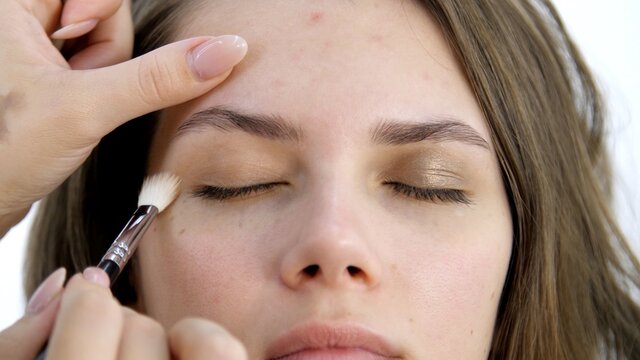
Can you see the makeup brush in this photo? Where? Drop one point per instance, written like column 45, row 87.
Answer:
column 158, row 192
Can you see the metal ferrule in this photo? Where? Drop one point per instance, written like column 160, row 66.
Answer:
column 125, row 244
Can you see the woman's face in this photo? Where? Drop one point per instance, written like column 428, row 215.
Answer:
column 340, row 189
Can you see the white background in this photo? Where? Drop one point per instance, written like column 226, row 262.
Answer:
column 608, row 34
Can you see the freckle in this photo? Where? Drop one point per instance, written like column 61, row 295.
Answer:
column 182, row 231
column 411, row 320
column 493, row 294
column 471, row 333
column 394, row 267
column 316, row 17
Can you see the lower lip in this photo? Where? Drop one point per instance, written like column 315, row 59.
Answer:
column 334, row 354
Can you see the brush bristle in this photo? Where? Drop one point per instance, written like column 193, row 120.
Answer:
column 159, row 190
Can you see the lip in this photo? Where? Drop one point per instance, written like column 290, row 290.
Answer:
column 331, row 341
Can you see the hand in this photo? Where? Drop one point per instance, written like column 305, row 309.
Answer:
column 52, row 114
column 90, row 323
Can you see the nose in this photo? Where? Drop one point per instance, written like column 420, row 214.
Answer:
column 331, row 249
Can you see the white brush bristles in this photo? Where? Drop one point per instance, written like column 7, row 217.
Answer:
column 159, row 190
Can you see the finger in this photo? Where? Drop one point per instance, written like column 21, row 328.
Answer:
column 142, row 338
column 89, row 322
column 48, row 13
column 165, row 77
column 75, row 11
column 197, row 339
column 111, row 42
column 25, row 338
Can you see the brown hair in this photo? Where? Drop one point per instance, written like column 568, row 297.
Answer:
column 567, row 292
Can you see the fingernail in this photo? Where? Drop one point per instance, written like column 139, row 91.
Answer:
column 217, row 56
column 74, row 30
column 46, row 291
column 96, row 276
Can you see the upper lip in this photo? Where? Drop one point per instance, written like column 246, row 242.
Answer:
column 318, row 336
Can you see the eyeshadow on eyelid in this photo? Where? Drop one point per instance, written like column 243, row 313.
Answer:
column 430, row 169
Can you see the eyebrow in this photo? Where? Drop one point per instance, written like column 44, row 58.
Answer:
column 438, row 130
column 274, row 127
column 271, row 127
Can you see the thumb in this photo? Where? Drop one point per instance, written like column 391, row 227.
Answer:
column 195, row 338
column 167, row 76
column 26, row 337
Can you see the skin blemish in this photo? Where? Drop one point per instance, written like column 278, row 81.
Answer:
column 315, row 17
column 277, row 83
column 376, row 38
column 182, row 231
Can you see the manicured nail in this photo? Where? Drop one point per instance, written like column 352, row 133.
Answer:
column 51, row 286
column 217, row 56
column 74, row 30
column 96, row 276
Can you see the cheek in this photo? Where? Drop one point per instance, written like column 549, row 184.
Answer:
column 190, row 266
column 453, row 268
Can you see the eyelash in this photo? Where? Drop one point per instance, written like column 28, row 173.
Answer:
column 223, row 193
column 417, row 193
column 430, row 194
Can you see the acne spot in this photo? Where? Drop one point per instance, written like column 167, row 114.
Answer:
column 277, row 83
column 297, row 55
column 315, row 17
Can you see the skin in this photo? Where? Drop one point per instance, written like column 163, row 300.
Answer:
column 44, row 137
column 428, row 274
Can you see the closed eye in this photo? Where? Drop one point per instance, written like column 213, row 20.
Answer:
column 230, row 193
column 430, row 194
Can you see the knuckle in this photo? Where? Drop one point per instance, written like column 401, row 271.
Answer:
column 91, row 301
column 198, row 338
column 143, row 325
column 219, row 346
column 156, row 80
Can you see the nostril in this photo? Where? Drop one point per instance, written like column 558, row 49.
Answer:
column 353, row 270
column 311, row 270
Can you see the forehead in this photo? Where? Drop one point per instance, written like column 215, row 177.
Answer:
column 336, row 61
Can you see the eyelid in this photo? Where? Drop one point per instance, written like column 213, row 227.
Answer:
column 432, row 194
column 221, row 193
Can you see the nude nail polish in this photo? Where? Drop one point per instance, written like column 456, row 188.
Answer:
column 49, row 288
column 75, row 30
column 96, row 276
column 217, row 56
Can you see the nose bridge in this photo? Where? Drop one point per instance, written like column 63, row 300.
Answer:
column 332, row 246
